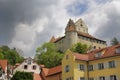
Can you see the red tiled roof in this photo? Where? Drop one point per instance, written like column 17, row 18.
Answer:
column 87, row 35
column 37, row 77
column 45, row 71
column 3, row 64
column 70, row 28
column 53, row 39
column 55, row 70
column 51, row 71
column 106, row 52
column 80, row 56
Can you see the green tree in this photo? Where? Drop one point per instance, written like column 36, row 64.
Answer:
column 11, row 55
column 22, row 76
column 114, row 41
column 47, row 54
column 80, row 48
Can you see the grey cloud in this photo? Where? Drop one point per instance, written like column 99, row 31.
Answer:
column 14, row 12
column 111, row 28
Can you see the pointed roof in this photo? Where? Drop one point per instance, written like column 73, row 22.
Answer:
column 52, row 40
column 3, row 64
column 81, row 23
column 70, row 26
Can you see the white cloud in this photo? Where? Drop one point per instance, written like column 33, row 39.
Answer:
column 53, row 18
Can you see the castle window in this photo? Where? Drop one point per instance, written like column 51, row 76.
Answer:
column 102, row 78
column 67, row 68
column 118, row 50
column 111, row 64
column 113, row 77
column 81, row 25
column 100, row 66
column 81, row 67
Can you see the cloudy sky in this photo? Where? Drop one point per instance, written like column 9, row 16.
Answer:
column 27, row 24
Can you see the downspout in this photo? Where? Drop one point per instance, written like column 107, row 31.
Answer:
column 87, row 70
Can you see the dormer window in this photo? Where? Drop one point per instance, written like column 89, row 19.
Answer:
column 99, row 54
column 118, row 50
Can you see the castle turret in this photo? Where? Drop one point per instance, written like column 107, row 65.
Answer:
column 71, row 33
column 70, row 26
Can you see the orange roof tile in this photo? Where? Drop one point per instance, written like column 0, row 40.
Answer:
column 106, row 52
column 3, row 64
column 51, row 71
column 70, row 28
column 37, row 77
column 45, row 71
column 55, row 70
column 80, row 56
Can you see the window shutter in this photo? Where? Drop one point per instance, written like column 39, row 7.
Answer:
column 85, row 67
column 107, row 78
column 96, row 78
column 118, row 77
column 95, row 66
column 106, row 65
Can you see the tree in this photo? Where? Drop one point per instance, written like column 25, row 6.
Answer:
column 11, row 55
column 114, row 41
column 80, row 48
column 47, row 54
column 22, row 76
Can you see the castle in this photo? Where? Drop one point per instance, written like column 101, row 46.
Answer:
column 77, row 33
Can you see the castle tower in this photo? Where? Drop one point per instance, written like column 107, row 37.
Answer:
column 81, row 26
column 70, row 26
column 71, row 33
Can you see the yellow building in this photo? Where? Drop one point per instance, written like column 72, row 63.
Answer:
column 77, row 33
column 100, row 64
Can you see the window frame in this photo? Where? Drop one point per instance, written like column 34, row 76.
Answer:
column 101, row 66
column 81, row 67
column 25, row 66
column 67, row 68
column 111, row 64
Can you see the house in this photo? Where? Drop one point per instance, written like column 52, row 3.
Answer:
column 3, row 70
column 29, row 65
column 99, row 64
column 54, row 73
column 77, row 33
